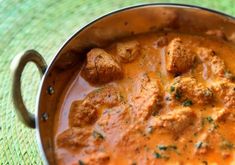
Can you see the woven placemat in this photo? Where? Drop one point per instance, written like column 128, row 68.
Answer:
column 44, row 25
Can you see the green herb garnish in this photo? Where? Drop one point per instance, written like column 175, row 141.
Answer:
column 215, row 126
column 199, row 145
column 172, row 89
column 187, row 103
column 160, row 156
column 162, row 147
column 209, row 119
column 177, row 95
column 157, row 155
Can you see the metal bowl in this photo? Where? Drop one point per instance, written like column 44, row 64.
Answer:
column 118, row 24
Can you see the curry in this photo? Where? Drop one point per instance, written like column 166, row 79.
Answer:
column 159, row 98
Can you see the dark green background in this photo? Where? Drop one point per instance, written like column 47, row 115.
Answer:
column 44, row 25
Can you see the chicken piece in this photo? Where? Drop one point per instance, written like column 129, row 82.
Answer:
column 107, row 96
column 148, row 98
column 175, row 121
column 100, row 67
column 187, row 88
column 82, row 114
column 217, row 33
column 73, row 138
column 226, row 92
column 209, row 57
column 179, row 57
column 85, row 112
column 99, row 158
column 128, row 51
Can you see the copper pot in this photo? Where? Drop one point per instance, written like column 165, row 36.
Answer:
column 118, row 24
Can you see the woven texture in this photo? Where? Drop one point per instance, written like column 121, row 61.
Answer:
column 44, row 25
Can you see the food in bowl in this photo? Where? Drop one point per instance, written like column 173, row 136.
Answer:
column 158, row 98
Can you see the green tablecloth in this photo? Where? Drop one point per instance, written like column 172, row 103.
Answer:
column 44, row 25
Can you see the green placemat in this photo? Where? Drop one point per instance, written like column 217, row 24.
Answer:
column 44, row 25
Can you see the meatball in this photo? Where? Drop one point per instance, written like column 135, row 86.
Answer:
column 175, row 121
column 100, row 67
column 73, row 138
column 179, row 57
column 128, row 51
column 187, row 88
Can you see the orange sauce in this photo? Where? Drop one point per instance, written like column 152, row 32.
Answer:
column 153, row 62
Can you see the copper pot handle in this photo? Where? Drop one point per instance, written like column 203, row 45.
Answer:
column 17, row 67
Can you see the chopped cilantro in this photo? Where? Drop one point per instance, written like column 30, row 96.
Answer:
column 172, row 89
column 177, row 95
column 162, row 147
column 209, row 119
column 166, row 147
column 187, row 103
column 157, row 155
column 215, row 126
column 160, row 156
column 199, row 145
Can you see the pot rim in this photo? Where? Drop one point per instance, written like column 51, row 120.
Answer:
column 175, row 5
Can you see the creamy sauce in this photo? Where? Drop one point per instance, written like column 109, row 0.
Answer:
column 156, row 147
